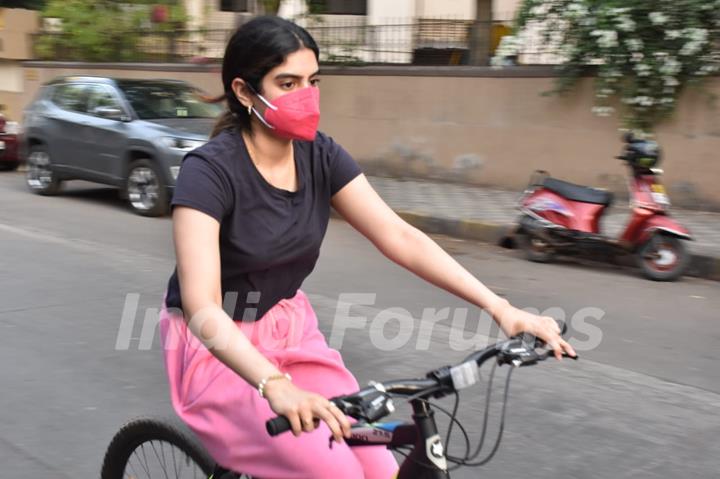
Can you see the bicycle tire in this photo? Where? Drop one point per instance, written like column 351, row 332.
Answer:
column 140, row 431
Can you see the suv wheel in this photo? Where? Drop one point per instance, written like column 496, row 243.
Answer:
column 145, row 189
column 40, row 177
column 9, row 166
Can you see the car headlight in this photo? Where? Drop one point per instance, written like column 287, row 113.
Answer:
column 12, row 128
column 182, row 144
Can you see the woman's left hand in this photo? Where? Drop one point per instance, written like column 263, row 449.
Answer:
column 515, row 321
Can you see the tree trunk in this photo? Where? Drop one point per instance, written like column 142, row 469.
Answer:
column 271, row 7
column 480, row 33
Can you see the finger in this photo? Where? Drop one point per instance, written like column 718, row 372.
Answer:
column 341, row 417
column 325, row 414
column 294, row 419
column 306, row 419
column 555, row 347
column 568, row 349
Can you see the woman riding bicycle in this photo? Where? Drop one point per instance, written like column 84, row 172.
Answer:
column 250, row 210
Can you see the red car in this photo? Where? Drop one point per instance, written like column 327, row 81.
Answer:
column 9, row 151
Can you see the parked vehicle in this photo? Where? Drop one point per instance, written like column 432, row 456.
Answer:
column 131, row 134
column 9, row 154
column 561, row 217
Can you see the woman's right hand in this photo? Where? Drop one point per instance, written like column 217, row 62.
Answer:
column 302, row 407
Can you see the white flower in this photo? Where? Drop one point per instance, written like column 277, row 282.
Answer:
column 637, row 57
column 634, row 44
column 539, row 10
column 671, row 81
column 604, row 92
column 603, row 110
column 576, row 10
column 588, row 21
column 658, row 18
column 671, row 67
column 626, row 24
column 673, row 34
column 606, row 38
column 619, row 11
column 640, row 100
column 643, row 69
column 611, row 74
column 509, row 46
column 696, row 34
column 691, row 48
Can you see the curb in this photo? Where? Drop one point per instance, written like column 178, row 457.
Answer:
column 701, row 266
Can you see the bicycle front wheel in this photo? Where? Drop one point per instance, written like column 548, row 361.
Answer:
column 153, row 448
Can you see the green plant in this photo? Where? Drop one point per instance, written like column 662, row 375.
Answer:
column 103, row 30
column 645, row 52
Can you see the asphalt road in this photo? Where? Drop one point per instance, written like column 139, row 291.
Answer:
column 643, row 401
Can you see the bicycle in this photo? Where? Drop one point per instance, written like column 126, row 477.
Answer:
column 419, row 441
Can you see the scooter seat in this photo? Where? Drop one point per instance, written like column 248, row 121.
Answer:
column 575, row 192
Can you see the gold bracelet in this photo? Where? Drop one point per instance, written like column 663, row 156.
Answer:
column 263, row 383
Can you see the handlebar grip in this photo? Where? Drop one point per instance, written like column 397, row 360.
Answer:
column 277, row 425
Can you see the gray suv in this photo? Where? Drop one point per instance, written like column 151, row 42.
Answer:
column 131, row 134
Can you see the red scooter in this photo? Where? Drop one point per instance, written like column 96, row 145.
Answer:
column 561, row 217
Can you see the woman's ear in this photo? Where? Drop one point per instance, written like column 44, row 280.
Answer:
column 242, row 92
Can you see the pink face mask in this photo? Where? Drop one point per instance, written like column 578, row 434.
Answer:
column 294, row 116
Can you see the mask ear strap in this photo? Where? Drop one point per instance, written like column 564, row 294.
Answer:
column 262, row 98
column 260, row 117
column 252, row 109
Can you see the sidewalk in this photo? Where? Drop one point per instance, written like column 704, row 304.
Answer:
column 486, row 214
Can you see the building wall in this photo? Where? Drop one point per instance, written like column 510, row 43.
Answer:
column 484, row 127
column 16, row 25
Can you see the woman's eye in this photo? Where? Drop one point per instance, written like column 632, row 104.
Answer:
column 315, row 82
column 287, row 85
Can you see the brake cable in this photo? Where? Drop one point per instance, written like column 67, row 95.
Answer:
column 500, row 431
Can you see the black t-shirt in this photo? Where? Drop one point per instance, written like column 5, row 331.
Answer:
column 269, row 238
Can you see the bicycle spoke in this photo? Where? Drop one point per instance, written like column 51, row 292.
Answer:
column 158, row 458
column 175, row 464
column 164, row 462
column 146, row 466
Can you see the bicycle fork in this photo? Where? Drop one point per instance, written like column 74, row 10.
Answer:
column 427, row 459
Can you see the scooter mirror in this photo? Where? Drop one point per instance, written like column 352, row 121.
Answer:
column 628, row 137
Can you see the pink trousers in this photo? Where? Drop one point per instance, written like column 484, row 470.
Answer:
column 228, row 416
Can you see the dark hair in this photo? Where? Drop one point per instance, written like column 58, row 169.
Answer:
column 255, row 48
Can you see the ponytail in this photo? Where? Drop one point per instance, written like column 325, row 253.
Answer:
column 226, row 121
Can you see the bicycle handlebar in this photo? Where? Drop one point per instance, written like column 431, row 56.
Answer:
column 364, row 405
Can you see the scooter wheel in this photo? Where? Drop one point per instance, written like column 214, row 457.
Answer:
column 536, row 249
column 663, row 258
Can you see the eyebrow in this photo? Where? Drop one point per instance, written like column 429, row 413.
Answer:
column 282, row 76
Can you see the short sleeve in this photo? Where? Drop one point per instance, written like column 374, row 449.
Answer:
column 203, row 186
column 343, row 168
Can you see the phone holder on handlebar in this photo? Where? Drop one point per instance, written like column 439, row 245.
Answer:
column 370, row 404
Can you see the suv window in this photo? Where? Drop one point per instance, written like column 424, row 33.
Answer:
column 71, row 97
column 101, row 96
column 156, row 100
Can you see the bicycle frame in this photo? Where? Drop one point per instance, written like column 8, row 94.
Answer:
column 427, row 457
